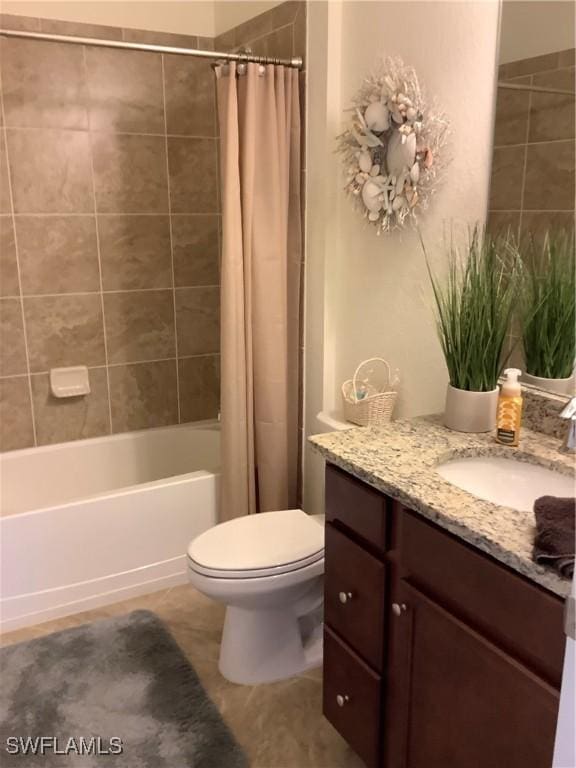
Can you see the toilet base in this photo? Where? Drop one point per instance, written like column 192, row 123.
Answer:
column 263, row 646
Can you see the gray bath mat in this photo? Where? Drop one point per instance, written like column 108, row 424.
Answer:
column 87, row 688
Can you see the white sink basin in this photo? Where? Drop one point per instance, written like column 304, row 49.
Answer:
column 506, row 482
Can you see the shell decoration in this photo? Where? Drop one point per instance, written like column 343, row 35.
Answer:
column 393, row 149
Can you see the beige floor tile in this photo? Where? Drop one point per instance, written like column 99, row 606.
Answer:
column 279, row 725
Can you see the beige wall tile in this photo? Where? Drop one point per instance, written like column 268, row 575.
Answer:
column 58, row 254
column 72, row 418
column 193, row 175
column 50, row 171
column 139, row 326
column 43, row 84
column 190, row 96
column 506, row 185
column 503, row 222
column 199, row 387
column 198, row 320
column 5, row 204
column 195, row 246
column 256, row 27
column 285, row 13
column 226, row 41
column 549, row 183
column 9, row 285
column 135, row 252
column 130, row 102
column 16, row 430
column 567, row 58
column 64, row 330
column 79, row 29
column 552, row 115
column 12, row 345
column 299, row 39
column 512, row 108
column 143, row 395
column 206, row 43
column 536, row 224
column 529, row 66
column 20, row 23
column 130, row 173
column 280, row 43
column 148, row 37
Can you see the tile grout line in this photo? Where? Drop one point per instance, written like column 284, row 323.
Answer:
column 118, row 365
column 47, row 129
column 119, row 291
column 4, row 138
column 102, row 214
column 162, row 57
column 523, row 187
column 93, row 179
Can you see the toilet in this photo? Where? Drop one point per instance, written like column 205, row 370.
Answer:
column 268, row 570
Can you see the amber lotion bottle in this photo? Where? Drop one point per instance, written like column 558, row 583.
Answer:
column 509, row 416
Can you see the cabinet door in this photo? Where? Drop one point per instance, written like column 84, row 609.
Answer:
column 455, row 700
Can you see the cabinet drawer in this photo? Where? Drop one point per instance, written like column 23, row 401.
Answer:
column 516, row 614
column 352, row 699
column 354, row 594
column 355, row 506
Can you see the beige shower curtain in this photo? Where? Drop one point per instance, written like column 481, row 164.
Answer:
column 259, row 119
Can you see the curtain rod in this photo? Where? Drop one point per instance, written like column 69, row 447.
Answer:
column 537, row 88
column 296, row 61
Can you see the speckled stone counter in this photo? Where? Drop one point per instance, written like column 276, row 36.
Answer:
column 400, row 460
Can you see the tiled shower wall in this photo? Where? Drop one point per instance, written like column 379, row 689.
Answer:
column 532, row 185
column 109, row 235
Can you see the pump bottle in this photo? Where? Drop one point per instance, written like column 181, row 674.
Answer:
column 509, row 414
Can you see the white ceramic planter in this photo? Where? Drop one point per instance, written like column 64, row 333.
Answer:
column 470, row 411
column 559, row 386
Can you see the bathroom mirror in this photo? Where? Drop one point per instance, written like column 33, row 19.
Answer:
column 532, row 181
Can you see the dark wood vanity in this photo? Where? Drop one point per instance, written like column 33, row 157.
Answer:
column 436, row 655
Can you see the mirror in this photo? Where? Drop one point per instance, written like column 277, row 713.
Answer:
column 532, row 182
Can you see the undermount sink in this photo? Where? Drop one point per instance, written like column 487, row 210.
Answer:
column 506, row 482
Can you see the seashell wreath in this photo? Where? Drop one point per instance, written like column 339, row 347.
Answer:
column 392, row 149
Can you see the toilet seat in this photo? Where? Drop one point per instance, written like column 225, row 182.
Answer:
column 256, row 546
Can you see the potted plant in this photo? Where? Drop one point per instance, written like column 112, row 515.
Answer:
column 548, row 314
column 474, row 306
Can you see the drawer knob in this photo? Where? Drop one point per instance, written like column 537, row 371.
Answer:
column 344, row 597
column 341, row 700
column 398, row 608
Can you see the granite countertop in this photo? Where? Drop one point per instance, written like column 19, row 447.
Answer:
column 400, row 459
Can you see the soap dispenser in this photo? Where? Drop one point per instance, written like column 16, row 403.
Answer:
column 509, row 414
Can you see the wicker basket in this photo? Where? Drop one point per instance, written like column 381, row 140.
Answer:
column 376, row 405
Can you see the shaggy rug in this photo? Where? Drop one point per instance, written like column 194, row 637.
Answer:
column 117, row 693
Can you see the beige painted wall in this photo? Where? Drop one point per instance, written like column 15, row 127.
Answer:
column 230, row 13
column 187, row 18
column 369, row 295
column 535, row 27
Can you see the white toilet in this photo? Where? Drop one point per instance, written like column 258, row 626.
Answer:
column 268, row 570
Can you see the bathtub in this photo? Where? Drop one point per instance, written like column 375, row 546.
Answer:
column 95, row 521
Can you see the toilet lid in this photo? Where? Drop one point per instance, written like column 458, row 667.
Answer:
column 278, row 541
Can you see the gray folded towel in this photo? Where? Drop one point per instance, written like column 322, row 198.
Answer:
column 555, row 540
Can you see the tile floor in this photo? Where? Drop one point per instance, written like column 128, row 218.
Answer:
column 279, row 725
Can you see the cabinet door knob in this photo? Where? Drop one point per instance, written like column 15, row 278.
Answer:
column 341, row 699
column 398, row 608
column 344, row 596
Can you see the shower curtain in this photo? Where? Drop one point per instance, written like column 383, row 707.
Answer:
column 259, row 117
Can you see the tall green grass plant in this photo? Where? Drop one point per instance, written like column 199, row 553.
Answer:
column 475, row 303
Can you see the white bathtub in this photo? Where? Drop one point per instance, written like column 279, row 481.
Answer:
column 94, row 521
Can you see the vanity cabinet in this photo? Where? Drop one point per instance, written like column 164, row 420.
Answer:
column 436, row 655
